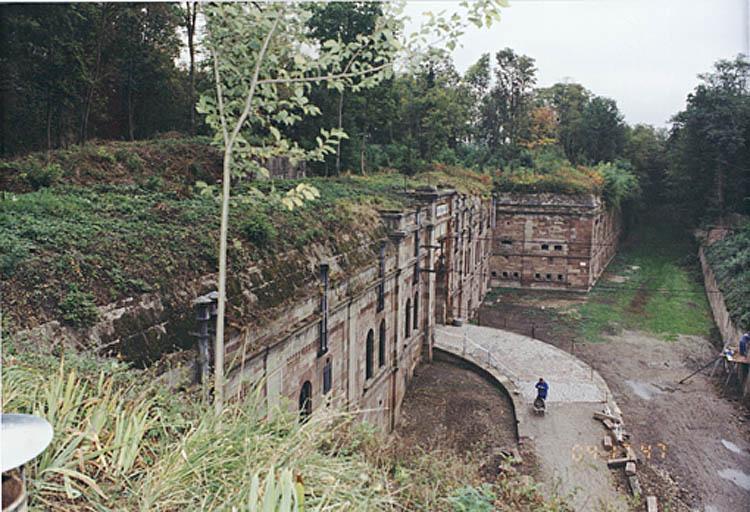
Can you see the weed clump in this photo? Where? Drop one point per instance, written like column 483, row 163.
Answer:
column 258, row 230
column 43, row 176
column 78, row 308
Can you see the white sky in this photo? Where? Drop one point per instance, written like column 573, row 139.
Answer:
column 645, row 54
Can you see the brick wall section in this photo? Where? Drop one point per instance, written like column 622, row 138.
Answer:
column 552, row 241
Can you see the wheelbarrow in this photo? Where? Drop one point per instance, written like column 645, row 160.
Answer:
column 540, row 406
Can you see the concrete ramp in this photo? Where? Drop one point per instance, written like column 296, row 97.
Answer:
column 567, row 440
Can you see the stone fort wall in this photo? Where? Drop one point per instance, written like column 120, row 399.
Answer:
column 552, row 241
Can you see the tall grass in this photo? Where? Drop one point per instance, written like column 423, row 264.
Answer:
column 124, row 442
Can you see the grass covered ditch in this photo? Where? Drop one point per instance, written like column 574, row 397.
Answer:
column 654, row 284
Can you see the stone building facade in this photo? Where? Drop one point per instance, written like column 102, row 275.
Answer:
column 552, row 241
column 356, row 342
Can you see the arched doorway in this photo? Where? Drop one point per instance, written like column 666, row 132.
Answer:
column 369, row 354
column 305, row 401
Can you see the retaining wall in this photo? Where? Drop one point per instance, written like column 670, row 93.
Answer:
column 730, row 333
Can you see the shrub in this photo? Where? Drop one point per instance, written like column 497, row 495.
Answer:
column 471, row 499
column 13, row 250
column 154, row 184
column 78, row 308
column 258, row 230
column 132, row 160
column 730, row 261
column 550, row 172
column 40, row 177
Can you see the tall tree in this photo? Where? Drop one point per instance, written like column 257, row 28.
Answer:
column 645, row 148
column 602, row 131
column 190, row 17
column 506, row 107
column 709, row 144
column 568, row 100
column 344, row 22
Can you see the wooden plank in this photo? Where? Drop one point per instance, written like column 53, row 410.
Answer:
column 608, row 424
column 651, row 505
column 635, row 485
column 607, row 443
column 630, row 454
column 616, row 463
column 630, row 469
column 602, row 416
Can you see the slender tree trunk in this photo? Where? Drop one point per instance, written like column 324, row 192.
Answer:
column 229, row 140
column 720, row 185
column 362, row 169
column 338, row 144
column 89, row 98
column 49, row 126
column 131, row 127
column 191, row 12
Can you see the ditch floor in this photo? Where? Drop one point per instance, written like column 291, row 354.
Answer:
column 693, row 440
column 450, row 407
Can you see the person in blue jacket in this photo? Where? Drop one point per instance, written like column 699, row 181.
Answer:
column 542, row 388
column 744, row 342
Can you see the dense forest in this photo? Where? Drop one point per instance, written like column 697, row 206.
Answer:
column 75, row 72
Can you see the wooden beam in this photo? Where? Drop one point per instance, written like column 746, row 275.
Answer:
column 616, row 463
column 602, row 416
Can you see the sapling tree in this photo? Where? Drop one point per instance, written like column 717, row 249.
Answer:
column 265, row 62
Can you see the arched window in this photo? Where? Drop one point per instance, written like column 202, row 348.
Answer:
column 407, row 324
column 416, row 311
column 369, row 356
column 305, row 401
column 381, row 345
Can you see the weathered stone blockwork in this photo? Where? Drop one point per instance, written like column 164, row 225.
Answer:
column 552, row 241
column 380, row 322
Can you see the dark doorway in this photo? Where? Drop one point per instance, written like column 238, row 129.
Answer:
column 305, row 401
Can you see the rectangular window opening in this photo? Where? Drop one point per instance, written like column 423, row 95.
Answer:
column 545, row 247
column 558, row 247
column 327, row 377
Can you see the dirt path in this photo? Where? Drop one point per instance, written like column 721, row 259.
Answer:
column 694, row 444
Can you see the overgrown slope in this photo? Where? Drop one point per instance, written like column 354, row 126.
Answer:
column 549, row 173
column 83, row 242
column 730, row 261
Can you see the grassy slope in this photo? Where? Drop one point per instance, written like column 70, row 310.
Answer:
column 664, row 296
